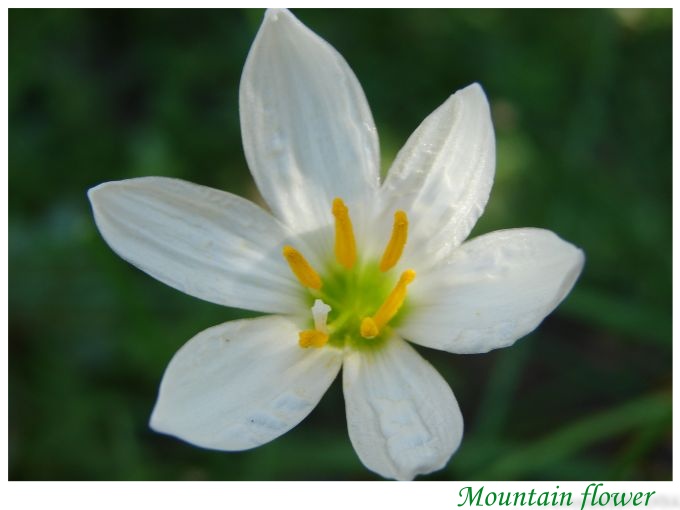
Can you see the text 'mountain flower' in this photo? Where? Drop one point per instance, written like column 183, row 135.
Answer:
column 347, row 266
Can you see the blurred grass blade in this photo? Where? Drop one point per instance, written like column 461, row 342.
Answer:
column 646, row 323
column 529, row 459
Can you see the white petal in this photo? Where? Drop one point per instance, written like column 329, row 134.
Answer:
column 207, row 243
column 308, row 132
column 442, row 176
column 491, row 291
column 402, row 416
column 241, row 384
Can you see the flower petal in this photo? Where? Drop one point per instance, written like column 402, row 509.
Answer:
column 442, row 176
column 491, row 291
column 207, row 243
column 402, row 416
column 241, row 384
column 308, row 133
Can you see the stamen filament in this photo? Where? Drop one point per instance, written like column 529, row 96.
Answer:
column 395, row 246
column 345, row 244
column 371, row 326
column 312, row 338
column 301, row 268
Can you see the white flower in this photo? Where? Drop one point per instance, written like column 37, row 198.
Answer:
column 333, row 261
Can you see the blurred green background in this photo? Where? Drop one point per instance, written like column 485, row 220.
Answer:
column 582, row 109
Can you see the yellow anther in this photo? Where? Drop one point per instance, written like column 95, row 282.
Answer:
column 395, row 247
column 301, row 268
column 368, row 328
column 394, row 301
column 371, row 326
column 345, row 245
column 312, row 338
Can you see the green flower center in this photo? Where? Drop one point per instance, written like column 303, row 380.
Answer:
column 356, row 303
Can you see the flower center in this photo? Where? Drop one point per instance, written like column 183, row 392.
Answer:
column 356, row 300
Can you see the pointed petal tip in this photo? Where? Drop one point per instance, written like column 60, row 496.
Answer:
column 275, row 15
column 580, row 262
column 99, row 193
column 92, row 192
column 156, row 421
column 96, row 192
column 474, row 89
column 472, row 94
column 579, row 256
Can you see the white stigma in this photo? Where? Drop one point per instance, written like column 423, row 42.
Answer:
column 320, row 313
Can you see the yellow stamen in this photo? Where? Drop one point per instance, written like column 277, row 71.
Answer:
column 371, row 326
column 312, row 338
column 395, row 247
column 301, row 268
column 345, row 245
column 368, row 328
